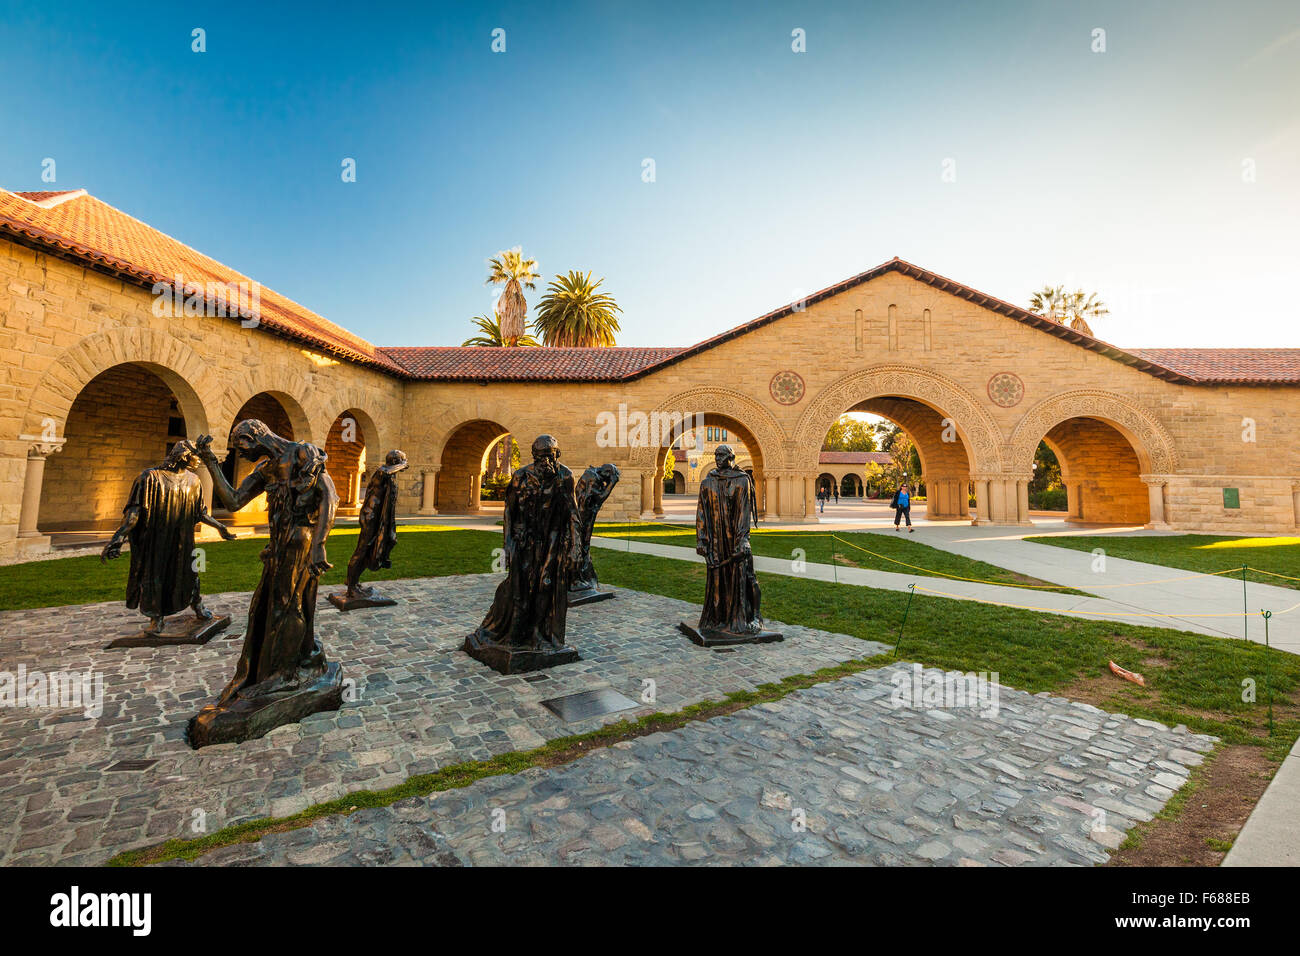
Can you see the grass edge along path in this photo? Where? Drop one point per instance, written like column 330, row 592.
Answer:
column 1202, row 553
column 834, row 549
column 454, row 776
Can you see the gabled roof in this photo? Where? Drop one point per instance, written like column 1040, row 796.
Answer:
column 80, row 227
column 77, row 226
column 529, row 364
column 1229, row 366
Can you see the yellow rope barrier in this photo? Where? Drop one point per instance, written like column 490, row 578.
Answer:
column 1007, row 584
column 1035, row 587
column 1075, row 611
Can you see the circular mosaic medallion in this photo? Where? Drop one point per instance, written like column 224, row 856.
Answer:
column 786, row 387
column 1006, row 389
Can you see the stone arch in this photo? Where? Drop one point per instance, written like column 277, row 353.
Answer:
column 477, row 409
column 191, row 378
column 973, row 423
column 292, row 388
column 1155, row 448
column 761, row 426
column 330, row 403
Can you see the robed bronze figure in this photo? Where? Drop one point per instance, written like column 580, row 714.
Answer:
column 282, row 675
column 165, row 504
column 727, row 508
column 592, row 489
column 377, row 536
column 524, row 629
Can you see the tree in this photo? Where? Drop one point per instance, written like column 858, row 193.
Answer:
column 1053, row 302
column 573, row 313
column 516, row 273
column 490, row 334
column 849, row 434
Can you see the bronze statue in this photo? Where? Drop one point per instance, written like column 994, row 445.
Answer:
column 165, row 504
column 282, row 675
column 727, row 506
column 524, row 629
column 377, row 537
column 592, row 489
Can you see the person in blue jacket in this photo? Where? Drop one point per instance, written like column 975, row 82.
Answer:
column 902, row 505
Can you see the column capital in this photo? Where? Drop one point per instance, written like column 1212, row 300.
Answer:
column 41, row 447
column 1155, row 479
column 430, row 469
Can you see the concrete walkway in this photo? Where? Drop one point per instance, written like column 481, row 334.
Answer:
column 1271, row 837
column 1180, row 600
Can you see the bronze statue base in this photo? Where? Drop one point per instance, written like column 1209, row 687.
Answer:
column 247, row 719
column 191, row 630
column 509, row 659
column 716, row 637
column 373, row 598
column 588, row 596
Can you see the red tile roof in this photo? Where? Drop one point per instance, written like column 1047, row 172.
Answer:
column 78, row 226
column 1229, row 366
column 541, row 364
column 83, row 228
column 854, row 457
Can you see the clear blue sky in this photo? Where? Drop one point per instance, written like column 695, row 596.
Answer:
column 776, row 172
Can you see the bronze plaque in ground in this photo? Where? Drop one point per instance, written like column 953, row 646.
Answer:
column 587, row 704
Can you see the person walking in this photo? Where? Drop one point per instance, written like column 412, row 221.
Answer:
column 835, row 489
column 902, row 505
column 821, row 500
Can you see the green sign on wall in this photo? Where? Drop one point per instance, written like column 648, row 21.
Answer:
column 1231, row 498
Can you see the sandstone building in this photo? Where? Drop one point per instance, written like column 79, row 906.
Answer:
column 97, row 380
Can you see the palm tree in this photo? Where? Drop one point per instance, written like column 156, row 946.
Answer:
column 1049, row 302
column 512, row 270
column 573, row 313
column 1081, row 308
column 490, row 334
column 1053, row 302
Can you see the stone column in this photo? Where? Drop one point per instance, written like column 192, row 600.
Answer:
column 475, row 493
column 770, row 506
column 1022, row 501
column 647, row 494
column 1156, row 501
column 983, row 509
column 429, row 490
column 657, row 487
column 37, row 452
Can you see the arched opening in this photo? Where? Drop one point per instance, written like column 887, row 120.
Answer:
column 1101, row 470
column 281, row 414
column 124, row 420
column 351, row 446
column 464, row 461
column 694, row 442
column 905, row 440
column 826, row 483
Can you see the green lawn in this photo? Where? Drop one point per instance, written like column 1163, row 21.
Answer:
column 900, row 553
column 1198, row 552
column 422, row 551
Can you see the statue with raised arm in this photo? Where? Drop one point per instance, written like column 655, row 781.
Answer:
column 282, row 675
column 524, row 629
column 727, row 507
column 377, row 537
column 592, row 489
column 165, row 504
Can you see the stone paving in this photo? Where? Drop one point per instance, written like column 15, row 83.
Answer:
column 834, row 774
column 423, row 704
